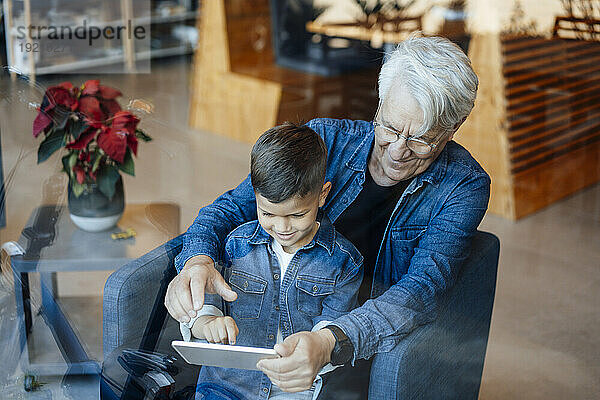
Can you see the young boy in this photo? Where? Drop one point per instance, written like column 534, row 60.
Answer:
column 291, row 270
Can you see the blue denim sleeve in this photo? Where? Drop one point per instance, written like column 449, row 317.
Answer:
column 206, row 236
column 380, row 323
column 345, row 297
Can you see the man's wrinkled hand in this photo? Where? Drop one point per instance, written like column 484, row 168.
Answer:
column 185, row 294
column 303, row 354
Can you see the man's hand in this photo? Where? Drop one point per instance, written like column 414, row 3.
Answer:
column 185, row 294
column 215, row 329
column 303, row 354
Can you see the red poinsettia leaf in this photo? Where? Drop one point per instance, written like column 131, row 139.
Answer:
column 90, row 107
column 91, row 87
column 109, row 93
column 114, row 143
column 84, row 139
column 41, row 122
column 132, row 142
column 60, row 96
column 80, row 173
column 95, row 124
column 125, row 120
column 110, row 107
column 66, row 85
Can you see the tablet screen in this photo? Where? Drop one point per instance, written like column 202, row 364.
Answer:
column 222, row 355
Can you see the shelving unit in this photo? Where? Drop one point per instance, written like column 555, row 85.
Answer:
column 171, row 27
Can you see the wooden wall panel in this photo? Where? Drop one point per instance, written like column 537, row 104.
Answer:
column 540, row 99
column 230, row 104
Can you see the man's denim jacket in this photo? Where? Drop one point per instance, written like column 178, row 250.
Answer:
column 320, row 284
column 424, row 244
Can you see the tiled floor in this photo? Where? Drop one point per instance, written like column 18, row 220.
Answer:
column 543, row 342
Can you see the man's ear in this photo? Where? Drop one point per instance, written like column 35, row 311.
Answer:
column 455, row 128
column 324, row 192
column 457, row 125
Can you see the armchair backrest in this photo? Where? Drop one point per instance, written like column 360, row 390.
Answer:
column 133, row 306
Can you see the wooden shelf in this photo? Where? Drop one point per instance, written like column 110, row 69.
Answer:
column 111, row 60
column 128, row 56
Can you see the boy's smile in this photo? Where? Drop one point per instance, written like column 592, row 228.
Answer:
column 292, row 222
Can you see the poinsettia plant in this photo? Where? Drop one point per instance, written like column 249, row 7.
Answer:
column 100, row 138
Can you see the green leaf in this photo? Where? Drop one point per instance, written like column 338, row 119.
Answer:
column 141, row 135
column 61, row 118
column 77, row 188
column 98, row 157
column 51, row 143
column 127, row 165
column 65, row 164
column 72, row 160
column 78, row 127
column 107, row 179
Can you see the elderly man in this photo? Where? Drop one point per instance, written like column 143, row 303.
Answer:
column 403, row 192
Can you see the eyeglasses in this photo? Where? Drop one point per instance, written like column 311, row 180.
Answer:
column 415, row 145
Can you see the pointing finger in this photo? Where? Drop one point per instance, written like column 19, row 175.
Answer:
column 222, row 288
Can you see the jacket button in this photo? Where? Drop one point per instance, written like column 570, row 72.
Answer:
column 271, row 337
column 276, row 276
column 276, row 308
column 315, row 289
column 344, row 200
column 245, row 284
column 265, row 390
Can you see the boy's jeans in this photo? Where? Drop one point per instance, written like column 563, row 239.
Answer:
column 212, row 391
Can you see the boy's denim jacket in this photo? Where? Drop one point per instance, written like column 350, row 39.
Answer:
column 320, row 284
column 424, row 244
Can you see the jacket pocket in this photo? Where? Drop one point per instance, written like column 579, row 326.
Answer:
column 251, row 292
column 405, row 239
column 311, row 292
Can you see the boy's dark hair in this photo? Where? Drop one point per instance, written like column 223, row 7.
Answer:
column 286, row 161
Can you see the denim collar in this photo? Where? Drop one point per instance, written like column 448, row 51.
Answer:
column 325, row 236
column 433, row 175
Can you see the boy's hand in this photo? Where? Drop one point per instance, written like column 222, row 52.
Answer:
column 185, row 294
column 215, row 329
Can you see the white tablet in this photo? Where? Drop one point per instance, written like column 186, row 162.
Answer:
column 222, row 355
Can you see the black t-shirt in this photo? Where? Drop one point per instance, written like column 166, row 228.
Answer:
column 364, row 223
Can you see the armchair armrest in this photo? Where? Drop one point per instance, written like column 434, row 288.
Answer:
column 444, row 359
column 133, row 304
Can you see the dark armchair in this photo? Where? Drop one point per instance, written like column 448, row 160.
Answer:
column 443, row 359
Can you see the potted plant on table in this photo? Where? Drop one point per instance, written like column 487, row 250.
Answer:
column 100, row 140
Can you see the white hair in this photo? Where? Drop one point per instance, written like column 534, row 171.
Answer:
column 439, row 76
